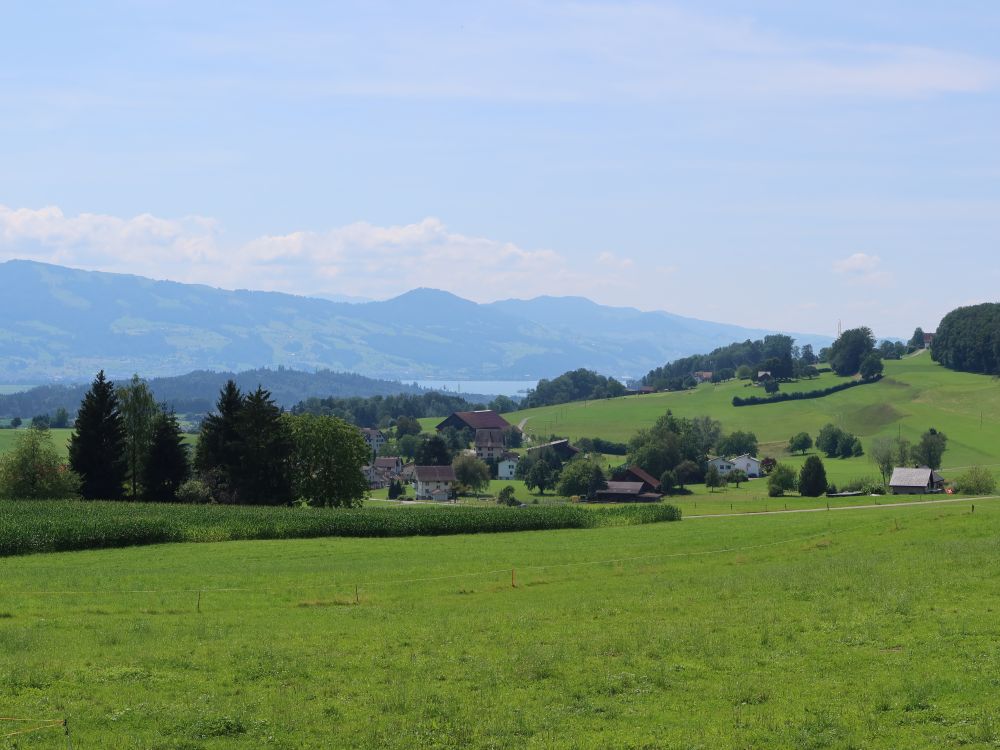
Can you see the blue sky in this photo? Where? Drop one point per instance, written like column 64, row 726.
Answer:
column 776, row 164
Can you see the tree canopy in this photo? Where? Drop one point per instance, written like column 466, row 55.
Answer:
column 97, row 446
column 575, row 385
column 850, row 349
column 968, row 339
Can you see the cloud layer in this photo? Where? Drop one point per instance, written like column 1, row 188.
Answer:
column 358, row 259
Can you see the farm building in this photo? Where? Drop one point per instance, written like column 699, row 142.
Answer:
column 702, row 376
column 626, row 492
column 561, row 448
column 722, row 465
column 915, row 481
column 485, row 419
column 638, row 474
column 433, row 482
column 507, row 466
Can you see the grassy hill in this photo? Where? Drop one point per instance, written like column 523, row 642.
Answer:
column 865, row 629
column 915, row 394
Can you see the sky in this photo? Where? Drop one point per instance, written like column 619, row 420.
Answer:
column 774, row 163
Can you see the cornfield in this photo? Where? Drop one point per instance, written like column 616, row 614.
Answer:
column 28, row 526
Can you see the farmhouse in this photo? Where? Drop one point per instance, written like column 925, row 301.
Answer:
column 702, row 376
column 490, row 444
column 433, row 482
column 915, row 481
column 626, row 492
column 376, row 478
column 507, row 466
column 484, row 419
column 374, row 438
column 561, row 448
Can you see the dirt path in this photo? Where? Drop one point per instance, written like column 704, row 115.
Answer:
column 971, row 500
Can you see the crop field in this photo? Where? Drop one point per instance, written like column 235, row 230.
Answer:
column 874, row 629
column 914, row 395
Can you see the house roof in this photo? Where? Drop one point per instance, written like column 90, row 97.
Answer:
column 623, row 488
column 485, row 419
column 902, row 477
column 387, row 462
column 748, row 457
column 371, row 431
column 559, row 445
column 434, row 473
column 489, row 438
column 644, row 476
column 509, row 456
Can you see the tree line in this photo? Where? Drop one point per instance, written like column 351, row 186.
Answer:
column 575, row 385
column 968, row 339
column 126, row 445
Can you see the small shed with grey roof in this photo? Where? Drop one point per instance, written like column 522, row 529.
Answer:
column 915, row 481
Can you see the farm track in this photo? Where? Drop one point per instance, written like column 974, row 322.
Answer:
column 917, row 504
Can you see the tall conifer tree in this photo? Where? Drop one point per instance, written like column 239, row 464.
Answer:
column 166, row 467
column 97, row 446
column 265, row 476
column 219, row 446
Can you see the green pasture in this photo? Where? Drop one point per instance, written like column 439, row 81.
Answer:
column 855, row 629
column 915, row 394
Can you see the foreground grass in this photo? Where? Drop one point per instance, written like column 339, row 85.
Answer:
column 872, row 629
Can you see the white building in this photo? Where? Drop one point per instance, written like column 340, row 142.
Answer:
column 433, row 482
column 375, row 439
column 507, row 466
column 748, row 464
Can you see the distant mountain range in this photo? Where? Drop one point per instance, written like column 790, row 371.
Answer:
column 65, row 324
column 197, row 392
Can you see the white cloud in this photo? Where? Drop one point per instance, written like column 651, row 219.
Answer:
column 864, row 268
column 357, row 259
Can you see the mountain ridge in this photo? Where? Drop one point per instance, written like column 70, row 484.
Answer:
column 61, row 323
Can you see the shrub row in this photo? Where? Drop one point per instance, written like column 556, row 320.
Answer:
column 28, row 526
column 799, row 395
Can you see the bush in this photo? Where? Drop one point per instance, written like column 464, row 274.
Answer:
column 506, row 497
column 780, row 481
column 34, row 470
column 978, row 480
column 194, row 491
column 867, row 485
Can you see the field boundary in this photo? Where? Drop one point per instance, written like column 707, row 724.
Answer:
column 914, row 504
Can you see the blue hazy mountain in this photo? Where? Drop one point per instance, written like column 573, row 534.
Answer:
column 63, row 323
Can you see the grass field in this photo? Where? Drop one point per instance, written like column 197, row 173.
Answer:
column 915, row 394
column 855, row 629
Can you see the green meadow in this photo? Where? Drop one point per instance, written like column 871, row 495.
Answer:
column 914, row 395
column 852, row 629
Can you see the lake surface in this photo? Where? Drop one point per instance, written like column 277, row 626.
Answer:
column 486, row 387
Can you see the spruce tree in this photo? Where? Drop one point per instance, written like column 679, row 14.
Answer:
column 219, row 450
column 264, row 476
column 812, row 477
column 97, row 446
column 166, row 467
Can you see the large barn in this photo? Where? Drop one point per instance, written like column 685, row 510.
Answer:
column 915, row 481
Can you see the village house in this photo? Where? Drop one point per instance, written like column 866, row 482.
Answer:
column 915, row 481
column 722, row 465
column 748, row 465
column 392, row 466
column 375, row 439
column 507, row 466
column 702, row 376
column 745, row 463
column 490, row 444
column 377, row 479
column 434, row 482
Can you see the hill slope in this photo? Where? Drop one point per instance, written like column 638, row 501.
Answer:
column 914, row 395
column 64, row 323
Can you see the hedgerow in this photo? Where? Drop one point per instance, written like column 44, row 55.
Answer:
column 799, row 395
column 28, row 526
